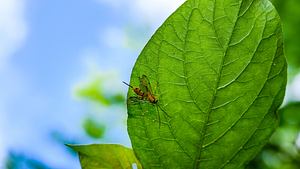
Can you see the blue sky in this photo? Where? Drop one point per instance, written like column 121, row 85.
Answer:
column 49, row 47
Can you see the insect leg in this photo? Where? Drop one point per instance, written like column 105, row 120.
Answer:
column 163, row 110
column 133, row 100
column 158, row 116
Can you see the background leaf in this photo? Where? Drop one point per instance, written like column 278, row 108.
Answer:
column 218, row 69
column 93, row 128
column 106, row 156
column 289, row 12
column 290, row 115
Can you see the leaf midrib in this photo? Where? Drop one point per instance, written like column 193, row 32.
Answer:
column 198, row 155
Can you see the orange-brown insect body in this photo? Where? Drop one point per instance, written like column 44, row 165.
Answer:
column 145, row 92
column 144, row 95
column 151, row 98
column 136, row 90
column 139, row 92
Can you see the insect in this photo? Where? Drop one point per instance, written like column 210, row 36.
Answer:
column 144, row 92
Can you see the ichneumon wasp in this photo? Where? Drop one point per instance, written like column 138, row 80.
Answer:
column 144, row 92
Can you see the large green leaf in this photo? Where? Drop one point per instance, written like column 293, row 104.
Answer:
column 106, row 156
column 217, row 68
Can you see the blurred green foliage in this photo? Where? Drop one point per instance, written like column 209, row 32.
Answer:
column 101, row 92
column 289, row 11
column 290, row 115
column 93, row 128
column 22, row 161
column 93, row 91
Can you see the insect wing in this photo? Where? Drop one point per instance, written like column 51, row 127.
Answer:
column 145, row 84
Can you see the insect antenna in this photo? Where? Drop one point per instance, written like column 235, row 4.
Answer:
column 127, row 84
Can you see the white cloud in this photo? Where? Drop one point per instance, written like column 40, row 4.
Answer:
column 113, row 37
column 12, row 34
column 154, row 11
column 150, row 11
column 12, row 28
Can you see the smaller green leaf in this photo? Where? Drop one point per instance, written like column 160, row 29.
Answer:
column 118, row 98
column 93, row 92
column 104, row 156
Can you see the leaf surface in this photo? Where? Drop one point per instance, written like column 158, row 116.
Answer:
column 218, row 70
column 106, row 156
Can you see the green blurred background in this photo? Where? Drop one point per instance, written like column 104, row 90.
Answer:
column 62, row 78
